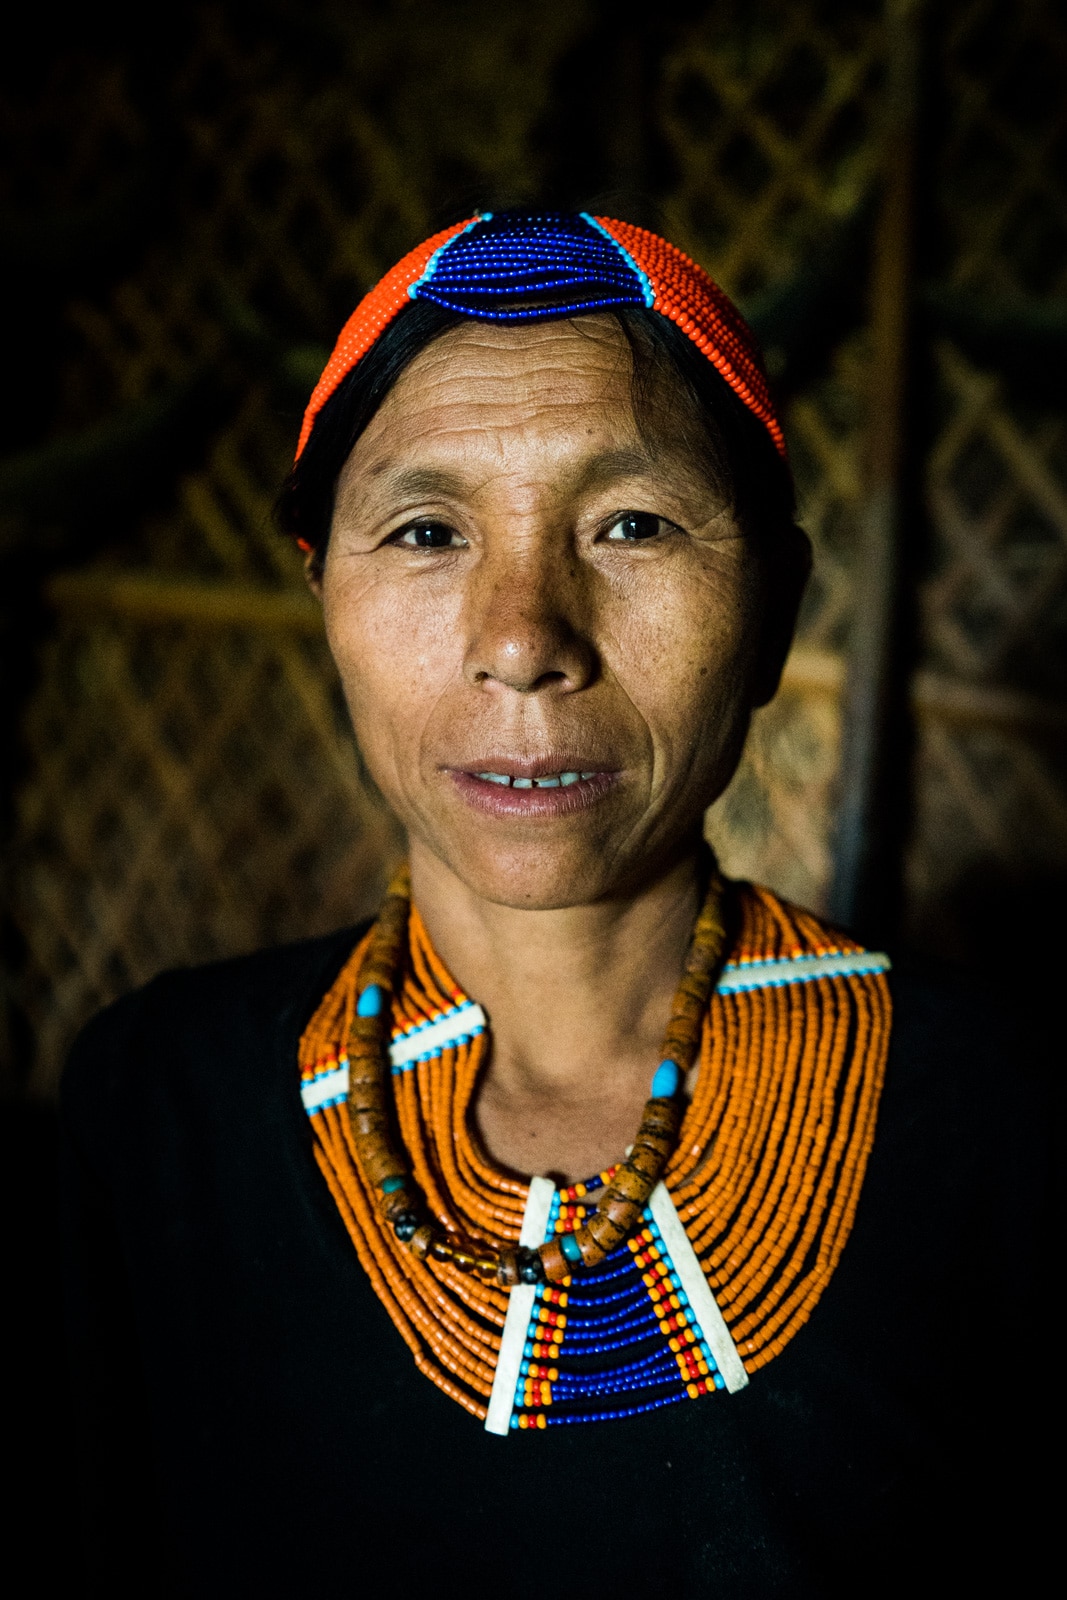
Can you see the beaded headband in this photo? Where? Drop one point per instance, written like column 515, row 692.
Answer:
column 524, row 267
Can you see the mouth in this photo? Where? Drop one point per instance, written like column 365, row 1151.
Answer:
column 532, row 789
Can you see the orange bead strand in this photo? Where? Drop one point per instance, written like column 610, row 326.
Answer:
column 765, row 1170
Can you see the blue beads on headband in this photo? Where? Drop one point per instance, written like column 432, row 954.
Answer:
column 497, row 264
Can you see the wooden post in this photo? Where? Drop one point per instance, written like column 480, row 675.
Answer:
column 868, row 836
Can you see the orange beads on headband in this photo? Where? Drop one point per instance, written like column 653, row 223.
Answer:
column 691, row 299
column 527, row 266
column 369, row 321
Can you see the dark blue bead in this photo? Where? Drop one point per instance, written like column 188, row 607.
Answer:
column 530, row 1266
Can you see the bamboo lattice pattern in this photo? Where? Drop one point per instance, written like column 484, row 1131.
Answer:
column 991, row 801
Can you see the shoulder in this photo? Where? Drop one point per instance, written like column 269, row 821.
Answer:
column 963, row 1161
column 763, row 927
column 196, row 1029
column 970, row 1075
column 971, row 1054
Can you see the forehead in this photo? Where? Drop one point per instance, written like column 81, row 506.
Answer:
column 481, row 386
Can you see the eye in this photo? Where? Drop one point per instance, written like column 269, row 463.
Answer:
column 636, row 525
column 428, row 536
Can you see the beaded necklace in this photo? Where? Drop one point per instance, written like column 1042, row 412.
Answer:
column 722, row 1251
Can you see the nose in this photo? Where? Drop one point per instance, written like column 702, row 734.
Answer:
column 528, row 623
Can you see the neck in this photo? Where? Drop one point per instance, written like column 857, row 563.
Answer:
column 578, row 1001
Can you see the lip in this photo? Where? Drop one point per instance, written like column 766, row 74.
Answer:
column 500, row 800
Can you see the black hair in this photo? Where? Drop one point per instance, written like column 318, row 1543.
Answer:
column 737, row 451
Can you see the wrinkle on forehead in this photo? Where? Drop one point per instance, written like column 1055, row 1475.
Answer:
column 550, row 407
column 528, row 368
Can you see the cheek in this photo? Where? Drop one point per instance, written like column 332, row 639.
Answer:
column 684, row 649
column 395, row 657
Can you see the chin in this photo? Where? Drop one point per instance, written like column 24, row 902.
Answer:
column 533, row 878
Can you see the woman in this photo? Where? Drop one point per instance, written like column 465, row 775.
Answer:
column 573, row 1142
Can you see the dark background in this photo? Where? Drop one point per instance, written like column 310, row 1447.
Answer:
column 191, row 201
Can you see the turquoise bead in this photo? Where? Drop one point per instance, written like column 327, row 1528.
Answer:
column 391, row 1185
column 665, row 1080
column 370, row 1001
column 569, row 1245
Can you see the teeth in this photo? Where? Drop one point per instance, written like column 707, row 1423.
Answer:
column 562, row 780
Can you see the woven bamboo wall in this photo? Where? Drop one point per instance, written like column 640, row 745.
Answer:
column 188, row 787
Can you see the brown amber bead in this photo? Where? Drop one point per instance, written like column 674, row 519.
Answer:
column 394, row 1205
column 606, row 1234
column 420, row 1241
column 555, row 1263
column 646, row 1163
column 591, row 1252
column 507, row 1267
column 627, row 1184
column 379, row 1163
column 623, row 1213
column 661, row 1119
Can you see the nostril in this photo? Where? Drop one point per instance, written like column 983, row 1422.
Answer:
column 528, row 653
column 524, row 683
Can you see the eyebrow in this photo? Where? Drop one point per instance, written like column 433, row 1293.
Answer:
column 416, row 483
column 426, row 483
column 610, row 465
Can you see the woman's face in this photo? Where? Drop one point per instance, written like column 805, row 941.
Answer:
column 548, row 626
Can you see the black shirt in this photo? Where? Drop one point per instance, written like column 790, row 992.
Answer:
column 253, row 1424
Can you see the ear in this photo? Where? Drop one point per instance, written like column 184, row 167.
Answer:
column 313, row 573
column 787, row 569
